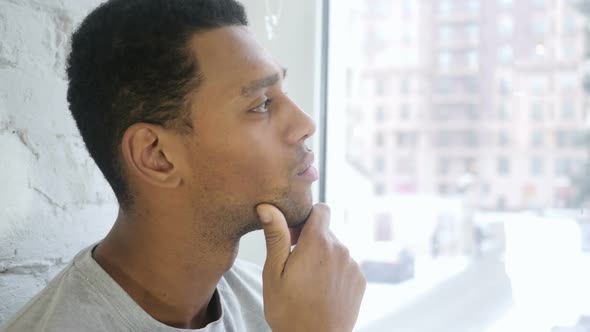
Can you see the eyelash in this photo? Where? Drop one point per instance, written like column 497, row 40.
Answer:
column 264, row 106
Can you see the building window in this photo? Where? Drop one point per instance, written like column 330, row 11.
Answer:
column 563, row 166
column 538, row 27
column 505, row 86
column 474, row 6
column 405, row 85
column 380, row 114
column 536, row 166
column 379, row 139
column 379, row 189
column 539, row 84
column 404, row 112
column 380, row 87
column 503, row 139
column 405, row 166
column 444, row 60
column 537, row 112
column 562, row 138
column 568, row 110
column 505, row 26
column 443, row 166
column 445, row 7
column 473, row 60
column 503, row 166
column 406, row 139
column 537, row 138
column 568, row 82
column 473, row 32
column 503, row 112
column 445, row 33
column 379, row 164
column 505, row 54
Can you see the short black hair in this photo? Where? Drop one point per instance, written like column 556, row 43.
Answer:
column 130, row 62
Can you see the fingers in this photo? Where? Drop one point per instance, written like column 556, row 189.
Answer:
column 277, row 236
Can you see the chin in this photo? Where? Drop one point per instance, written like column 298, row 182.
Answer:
column 297, row 211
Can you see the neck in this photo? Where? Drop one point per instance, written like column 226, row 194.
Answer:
column 171, row 272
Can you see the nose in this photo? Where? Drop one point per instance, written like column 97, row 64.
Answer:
column 300, row 126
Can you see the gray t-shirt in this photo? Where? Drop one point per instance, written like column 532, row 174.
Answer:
column 83, row 297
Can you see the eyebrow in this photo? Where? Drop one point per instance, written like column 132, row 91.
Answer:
column 262, row 83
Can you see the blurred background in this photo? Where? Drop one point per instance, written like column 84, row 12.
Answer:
column 457, row 161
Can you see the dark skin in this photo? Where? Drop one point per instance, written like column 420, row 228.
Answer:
column 196, row 194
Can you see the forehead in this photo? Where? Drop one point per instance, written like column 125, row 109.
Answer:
column 229, row 58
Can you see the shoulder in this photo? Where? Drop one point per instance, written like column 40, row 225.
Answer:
column 68, row 303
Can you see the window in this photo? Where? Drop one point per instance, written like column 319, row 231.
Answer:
column 505, row 86
column 379, row 139
column 537, row 138
column 406, row 139
column 445, row 7
column 473, row 60
column 538, row 27
column 379, row 189
column 568, row 110
column 505, row 54
column 568, row 82
column 562, row 138
column 503, row 139
column 484, row 106
column 380, row 114
column 446, row 33
column 474, row 6
column 536, row 167
column 539, row 84
column 444, row 60
column 405, row 85
column 537, row 111
column 503, row 166
column 404, row 112
column 405, row 165
column 444, row 165
column 380, row 87
column 473, row 32
column 570, row 24
column 503, row 112
column 563, row 166
column 505, row 26
column 379, row 164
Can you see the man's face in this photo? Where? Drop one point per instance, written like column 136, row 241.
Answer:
column 248, row 145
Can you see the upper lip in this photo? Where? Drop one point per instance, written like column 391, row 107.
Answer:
column 307, row 162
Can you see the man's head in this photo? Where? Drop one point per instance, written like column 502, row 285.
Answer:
column 183, row 110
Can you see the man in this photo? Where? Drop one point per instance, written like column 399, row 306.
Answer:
column 183, row 112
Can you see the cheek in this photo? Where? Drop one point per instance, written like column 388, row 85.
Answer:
column 246, row 171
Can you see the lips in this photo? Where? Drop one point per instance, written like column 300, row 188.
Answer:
column 307, row 163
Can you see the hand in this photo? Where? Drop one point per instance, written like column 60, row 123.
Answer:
column 315, row 287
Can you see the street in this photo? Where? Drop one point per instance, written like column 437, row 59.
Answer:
column 471, row 301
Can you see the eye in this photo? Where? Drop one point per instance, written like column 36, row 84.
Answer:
column 263, row 108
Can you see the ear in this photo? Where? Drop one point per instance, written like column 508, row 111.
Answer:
column 148, row 152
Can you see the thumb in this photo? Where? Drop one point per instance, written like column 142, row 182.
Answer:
column 278, row 239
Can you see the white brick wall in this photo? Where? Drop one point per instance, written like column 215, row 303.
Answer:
column 53, row 199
